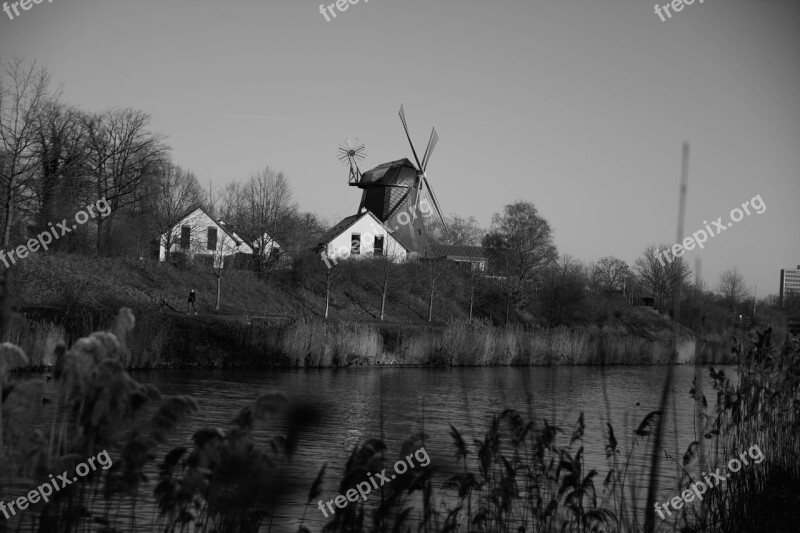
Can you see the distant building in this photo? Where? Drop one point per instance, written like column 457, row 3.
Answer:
column 790, row 283
column 468, row 257
column 360, row 236
column 199, row 236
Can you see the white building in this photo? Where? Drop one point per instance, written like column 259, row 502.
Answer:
column 199, row 235
column 361, row 236
column 789, row 284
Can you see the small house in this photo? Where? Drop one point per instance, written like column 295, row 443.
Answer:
column 360, row 236
column 199, row 236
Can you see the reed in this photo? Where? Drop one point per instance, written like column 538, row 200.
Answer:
column 97, row 407
column 355, row 343
column 305, row 344
column 480, row 344
column 759, row 408
column 38, row 339
column 520, row 475
column 168, row 341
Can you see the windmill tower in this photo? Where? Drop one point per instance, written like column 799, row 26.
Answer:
column 394, row 192
column 351, row 153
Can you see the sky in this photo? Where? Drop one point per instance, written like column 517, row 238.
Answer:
column 578, row 106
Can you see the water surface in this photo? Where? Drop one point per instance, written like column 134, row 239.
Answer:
column 391, row 402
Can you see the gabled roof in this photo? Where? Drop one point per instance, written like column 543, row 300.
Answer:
column 227, row 229
column 346, row 223
column 338, row 229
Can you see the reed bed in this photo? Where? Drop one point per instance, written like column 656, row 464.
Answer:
column 762, row 408
column 38, row 339
column 305, row 343
column 483, row 345
column 355, row 343
column 314, row 343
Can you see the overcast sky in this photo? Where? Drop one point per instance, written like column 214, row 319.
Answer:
column 577, row 106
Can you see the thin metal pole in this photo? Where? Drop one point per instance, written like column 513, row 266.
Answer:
column 649, row 523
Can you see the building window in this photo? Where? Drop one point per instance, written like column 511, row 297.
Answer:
column 355, row 243
column 377, row 248
column 186, row 233
column 212, row 239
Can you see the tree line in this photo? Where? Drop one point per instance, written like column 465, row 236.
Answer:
column 56, row 158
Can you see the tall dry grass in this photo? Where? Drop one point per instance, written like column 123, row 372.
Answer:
column 177, row 342
column 223, row 481
column 759, row 408
column 480, row 344
column 97, row 407
column 38, row 339
column 316, row 343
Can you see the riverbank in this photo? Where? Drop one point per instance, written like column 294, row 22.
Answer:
column 175, row 340
column 269, row 321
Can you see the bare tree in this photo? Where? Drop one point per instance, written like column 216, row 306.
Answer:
column 122, row 153
column 304, row 233
column 174, row 192
column 695, row 301
column 320, row 271
column 433, row 270
column 660, row 276
column 474, row 281
column 61, row 148
column 332, row 277
column 262, row 211
column 384, row 276
column 221, row 259
column 610, row 273
column 562, row 290
column 732, row 288
column 384, row 272
column 24, row 94
column 461, row 231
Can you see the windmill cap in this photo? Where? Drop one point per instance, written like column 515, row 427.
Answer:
column 401, row 172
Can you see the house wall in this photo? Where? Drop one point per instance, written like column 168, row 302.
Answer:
column 199, row 223
column 340, row 247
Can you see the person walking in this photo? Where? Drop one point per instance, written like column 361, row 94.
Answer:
column 191, row 303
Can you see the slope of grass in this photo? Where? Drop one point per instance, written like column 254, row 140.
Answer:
column 272, row 320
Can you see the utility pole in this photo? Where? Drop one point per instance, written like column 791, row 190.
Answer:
column 755, row 293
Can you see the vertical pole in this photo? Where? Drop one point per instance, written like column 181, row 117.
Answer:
column 655, row 463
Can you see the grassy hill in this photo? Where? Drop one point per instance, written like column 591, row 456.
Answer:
column 276, row 320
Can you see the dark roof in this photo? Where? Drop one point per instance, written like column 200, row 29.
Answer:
column 401, row 172
column 338, row 228
column 456, row 251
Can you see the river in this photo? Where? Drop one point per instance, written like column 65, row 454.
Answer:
column 358, row 403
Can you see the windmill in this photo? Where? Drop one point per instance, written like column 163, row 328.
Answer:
column 351, row 153
column 422, row 178
column 393, row 192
